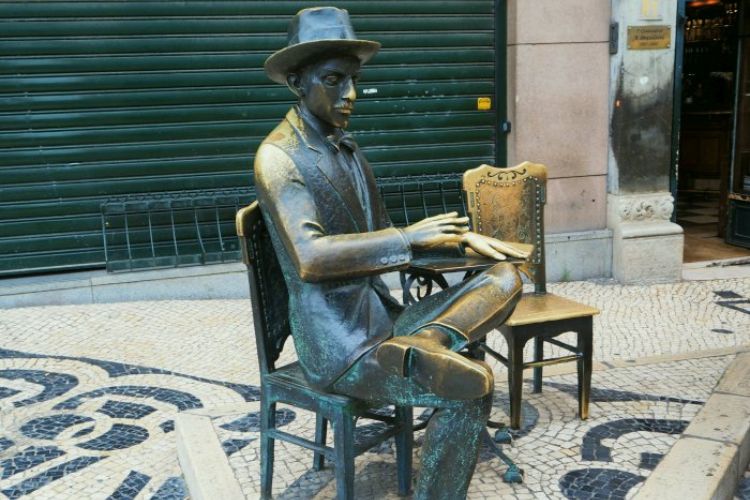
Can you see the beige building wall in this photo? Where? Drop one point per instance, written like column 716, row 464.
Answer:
column 558, row 104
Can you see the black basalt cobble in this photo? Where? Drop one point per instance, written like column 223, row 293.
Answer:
column 171, row 489
column 728, row 294
column 365, row 433
column 650, row 460
column 182, row 400
column 5, row 443
column 28, row 458
column 6, row 392
column 741, row 305
column 55, row 384
column 130, row 486
column 251, row 421
column 231, row 446
column 123, row 409
column 34, row 483
column 83, row 432
column 609, row 395
column 592, row 448
column 167, row 426
column 120, row 436
column 50, row 427
column 598, row 484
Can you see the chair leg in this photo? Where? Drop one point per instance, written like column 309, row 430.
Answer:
column 343, row 444
column 538, row 356
column 585, row 367
column 515, row 380
column 404, row 446
column 267, row 422
column 321, row 435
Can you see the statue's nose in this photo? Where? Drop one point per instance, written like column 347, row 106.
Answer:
column 350, row 92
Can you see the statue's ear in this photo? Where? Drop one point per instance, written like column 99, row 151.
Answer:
column 294, row 82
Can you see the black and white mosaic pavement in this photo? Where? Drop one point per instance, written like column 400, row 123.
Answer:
column 88, row 396
column 71, row 424
column 606, row 457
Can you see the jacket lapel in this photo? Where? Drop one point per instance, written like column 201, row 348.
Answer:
column 373, row 195
column 343, row 189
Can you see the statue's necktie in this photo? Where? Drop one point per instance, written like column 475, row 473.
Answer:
column 350, row 163
column 336, row 141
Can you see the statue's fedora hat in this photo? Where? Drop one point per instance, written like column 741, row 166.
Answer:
column 314, row 32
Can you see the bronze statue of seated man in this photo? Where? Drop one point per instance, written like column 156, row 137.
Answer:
column 334, row 239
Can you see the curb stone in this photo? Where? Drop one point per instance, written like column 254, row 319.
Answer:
column 202, row 459
column 711, row 456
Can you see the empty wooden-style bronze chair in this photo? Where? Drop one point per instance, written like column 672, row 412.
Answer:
column 287, row 384
column 508, row 204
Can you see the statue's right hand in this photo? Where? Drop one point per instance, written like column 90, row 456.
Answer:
column 436, row 231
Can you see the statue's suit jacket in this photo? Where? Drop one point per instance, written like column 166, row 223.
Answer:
column 331, row 247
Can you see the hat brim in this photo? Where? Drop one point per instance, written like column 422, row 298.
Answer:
column 284, row 61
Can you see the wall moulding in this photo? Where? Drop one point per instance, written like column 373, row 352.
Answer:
column 648, row 207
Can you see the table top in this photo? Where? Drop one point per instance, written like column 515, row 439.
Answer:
column 440, row 265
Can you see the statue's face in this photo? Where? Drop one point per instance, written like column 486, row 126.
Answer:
column 328, row 89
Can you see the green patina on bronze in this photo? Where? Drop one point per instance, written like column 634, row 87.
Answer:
column 333, row 239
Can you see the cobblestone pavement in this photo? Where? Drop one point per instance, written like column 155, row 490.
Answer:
column 636, row 415
column 88, row 394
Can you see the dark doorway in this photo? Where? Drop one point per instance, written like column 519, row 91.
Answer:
column 709, row 80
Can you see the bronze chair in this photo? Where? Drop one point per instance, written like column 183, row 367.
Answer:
column 508, row 204
column 286, row 384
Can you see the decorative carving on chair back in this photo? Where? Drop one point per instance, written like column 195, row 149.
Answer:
column 267, row 287
column 273, row 292
column 508, row 204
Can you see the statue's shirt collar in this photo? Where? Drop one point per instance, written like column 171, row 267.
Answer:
column 334, row 138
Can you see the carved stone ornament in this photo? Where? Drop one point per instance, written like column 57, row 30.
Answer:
column 645, row 208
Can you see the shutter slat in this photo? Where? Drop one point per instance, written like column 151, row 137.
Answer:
column 108, row 98
column 228, row 95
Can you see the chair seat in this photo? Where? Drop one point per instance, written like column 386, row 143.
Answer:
column 292, row 387
column 291, row 376
column 540, row 308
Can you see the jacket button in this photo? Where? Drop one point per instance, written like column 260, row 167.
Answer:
column 402, row 258
column 393, row 259
column 384, row 260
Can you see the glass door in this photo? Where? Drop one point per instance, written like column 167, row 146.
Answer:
column 706, row 85
column 738, row 228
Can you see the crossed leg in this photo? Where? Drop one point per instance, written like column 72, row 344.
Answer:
column 451, row 444
column 427, row 336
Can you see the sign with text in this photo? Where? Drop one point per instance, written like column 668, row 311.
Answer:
column 649, row 37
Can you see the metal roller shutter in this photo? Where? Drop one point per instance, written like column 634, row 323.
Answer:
column 107, row 98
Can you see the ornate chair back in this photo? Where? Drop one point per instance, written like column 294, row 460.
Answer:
column 286, row 384
column 268, row 291
column 508, row 204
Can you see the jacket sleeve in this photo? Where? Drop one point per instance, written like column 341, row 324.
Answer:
column 384, row 221
column 317, row 255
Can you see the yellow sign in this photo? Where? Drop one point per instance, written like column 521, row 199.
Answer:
column 650, row 9
column 649, row 37
column 484, row 103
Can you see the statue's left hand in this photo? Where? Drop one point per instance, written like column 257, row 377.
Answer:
column 491, row 247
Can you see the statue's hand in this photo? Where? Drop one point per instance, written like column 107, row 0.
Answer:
column 438, row 230
column 491, row 247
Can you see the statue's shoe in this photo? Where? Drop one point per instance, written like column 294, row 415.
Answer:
column 439, row 370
